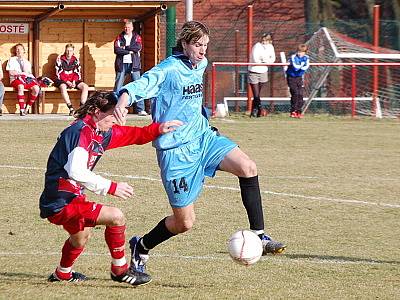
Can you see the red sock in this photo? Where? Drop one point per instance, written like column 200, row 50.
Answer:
column 69, row 255
column 63, row 276
column 21, row 101
column 115, row 239
column 32, row 99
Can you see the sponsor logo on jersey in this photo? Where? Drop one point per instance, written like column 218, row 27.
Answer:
column 191, row 89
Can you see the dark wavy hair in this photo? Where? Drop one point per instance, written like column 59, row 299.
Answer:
column 191, row 31
column 102, row 100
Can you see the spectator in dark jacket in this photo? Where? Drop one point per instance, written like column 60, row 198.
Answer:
column 127, row 47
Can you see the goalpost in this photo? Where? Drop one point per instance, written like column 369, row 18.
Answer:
column 332, row 47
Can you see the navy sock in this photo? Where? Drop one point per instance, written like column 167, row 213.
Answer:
column 156, row 236
column 251, row 198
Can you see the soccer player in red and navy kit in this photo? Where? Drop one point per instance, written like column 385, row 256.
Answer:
column 70, row 171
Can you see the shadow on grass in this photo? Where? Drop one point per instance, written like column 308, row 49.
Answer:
column 341, row 259
column 92, row 282
column 21, row 275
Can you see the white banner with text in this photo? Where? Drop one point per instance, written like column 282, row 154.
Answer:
column 14, row 28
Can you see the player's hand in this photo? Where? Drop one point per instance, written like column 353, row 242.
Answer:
column 123, row 190
column 120, row 114
column 69, row 83
column 73, row 84
column 120, row 111
column 169, row 126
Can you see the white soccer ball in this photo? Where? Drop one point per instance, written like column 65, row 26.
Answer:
column 245, row 247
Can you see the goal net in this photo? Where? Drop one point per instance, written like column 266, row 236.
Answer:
column 335, row 83
column 328, row 89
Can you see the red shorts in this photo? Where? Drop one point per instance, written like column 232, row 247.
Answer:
column 77, row 215
column 15, row 83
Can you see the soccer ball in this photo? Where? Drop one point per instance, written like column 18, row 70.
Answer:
column 245, row 247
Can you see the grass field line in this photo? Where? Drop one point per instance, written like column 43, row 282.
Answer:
column 306, row 121
column 317, row 198
column 313, row 198
column 288, row 258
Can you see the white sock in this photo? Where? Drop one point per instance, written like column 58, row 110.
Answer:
column 118, row 262
column 258, row 232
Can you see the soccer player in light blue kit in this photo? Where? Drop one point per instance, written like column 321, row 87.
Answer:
column 193, row 151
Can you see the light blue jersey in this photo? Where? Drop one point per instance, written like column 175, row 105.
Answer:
column 193, row 151
column 177, row 92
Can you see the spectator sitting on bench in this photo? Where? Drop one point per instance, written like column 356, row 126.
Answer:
column 21, row 78
column 1, row 89
column 68, row 72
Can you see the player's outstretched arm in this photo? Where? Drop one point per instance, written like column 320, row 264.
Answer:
column 123, row 190
column 169, row 126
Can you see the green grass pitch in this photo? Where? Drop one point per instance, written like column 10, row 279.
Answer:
column 330, row 190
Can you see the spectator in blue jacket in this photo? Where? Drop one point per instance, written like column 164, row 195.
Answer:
column 127, row 47
column 298, row 65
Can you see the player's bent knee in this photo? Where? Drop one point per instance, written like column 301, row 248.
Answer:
column 249, row 169
column 117, row 218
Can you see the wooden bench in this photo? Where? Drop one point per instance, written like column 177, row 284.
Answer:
column 41, row 100
column 44, row 90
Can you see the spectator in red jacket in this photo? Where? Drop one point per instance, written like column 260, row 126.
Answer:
column 68, row 72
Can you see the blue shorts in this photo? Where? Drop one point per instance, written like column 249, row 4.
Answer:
column 183, row 169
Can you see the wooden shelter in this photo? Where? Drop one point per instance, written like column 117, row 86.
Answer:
column 45, row 27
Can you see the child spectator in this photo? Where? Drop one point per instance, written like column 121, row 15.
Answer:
column 298, row 65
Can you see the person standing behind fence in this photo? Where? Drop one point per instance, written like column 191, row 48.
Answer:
column 21, row 78
column 298, row 65
column 262, row 52
column 127, row 47
column 68, row 72
column 1, row 89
